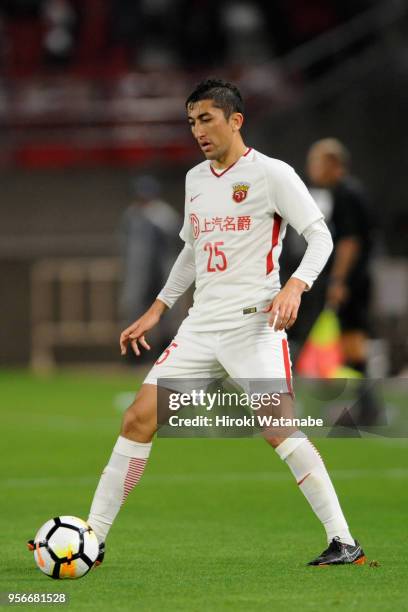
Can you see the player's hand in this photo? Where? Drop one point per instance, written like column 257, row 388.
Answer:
column 135, row 333
column 337, row 294
column 283, row 310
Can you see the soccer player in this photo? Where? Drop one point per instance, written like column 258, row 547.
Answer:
column 237, row 206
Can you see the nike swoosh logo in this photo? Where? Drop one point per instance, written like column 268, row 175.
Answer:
column 303, row 479
column 194, row 197
column 352, row 556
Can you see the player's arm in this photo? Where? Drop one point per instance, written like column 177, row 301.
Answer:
column 180, row 278
column 291, row 199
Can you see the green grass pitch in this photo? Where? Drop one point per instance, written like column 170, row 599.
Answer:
column 214, row 524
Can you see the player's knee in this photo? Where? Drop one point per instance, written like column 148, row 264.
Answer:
column 274, row 441
column 139, row 422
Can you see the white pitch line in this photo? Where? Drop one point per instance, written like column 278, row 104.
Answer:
column 215, row 478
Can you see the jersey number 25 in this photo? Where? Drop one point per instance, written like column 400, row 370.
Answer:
column 216, row 257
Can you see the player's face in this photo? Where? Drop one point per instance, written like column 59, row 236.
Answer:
column 213, row 132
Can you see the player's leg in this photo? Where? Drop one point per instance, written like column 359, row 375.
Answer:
column 190, row 356
column 127, row 461
column 309, row 470
column 264, row 355
column 126, row 464
column 307, row 466
column 312, row 477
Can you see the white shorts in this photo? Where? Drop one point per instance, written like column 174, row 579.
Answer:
column 251, row 352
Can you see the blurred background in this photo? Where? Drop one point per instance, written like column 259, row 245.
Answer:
column 95, row 146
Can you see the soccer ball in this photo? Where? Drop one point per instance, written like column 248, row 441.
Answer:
column 65, row 547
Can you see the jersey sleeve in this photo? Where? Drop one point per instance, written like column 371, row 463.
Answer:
column 291, row 198
column 319, row 247
column 186, row 232
column 182, row 275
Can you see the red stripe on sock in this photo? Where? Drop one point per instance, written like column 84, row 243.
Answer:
column 303, row 479
column 133, row 475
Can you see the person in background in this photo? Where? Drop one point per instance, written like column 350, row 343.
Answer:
column 347, row 287
column 150, row 243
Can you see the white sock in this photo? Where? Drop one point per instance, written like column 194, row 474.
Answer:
column 120, row 476
column 311, row 475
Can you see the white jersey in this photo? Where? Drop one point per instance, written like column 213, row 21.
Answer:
column 235, row 220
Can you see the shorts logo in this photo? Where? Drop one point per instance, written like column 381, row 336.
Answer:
column 240, row 191
column 195, row 224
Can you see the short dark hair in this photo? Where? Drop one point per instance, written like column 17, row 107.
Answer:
column 223, row 94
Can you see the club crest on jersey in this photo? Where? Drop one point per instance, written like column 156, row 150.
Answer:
column 240, row 191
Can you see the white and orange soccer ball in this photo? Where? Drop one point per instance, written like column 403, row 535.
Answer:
column 65, row 547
